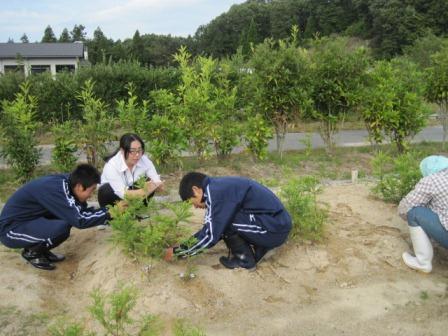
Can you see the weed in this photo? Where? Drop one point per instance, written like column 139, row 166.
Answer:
column 299, row 197
column 424, row 295
column 153, row 235
column 397, row 176
column 112, row 311
column 182, row 328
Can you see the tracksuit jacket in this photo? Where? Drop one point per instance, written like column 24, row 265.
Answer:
column 48, row 197
column 224, row 198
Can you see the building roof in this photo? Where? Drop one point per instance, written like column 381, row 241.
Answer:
column 42, row 50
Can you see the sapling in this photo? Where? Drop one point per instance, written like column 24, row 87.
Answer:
column 300, row 199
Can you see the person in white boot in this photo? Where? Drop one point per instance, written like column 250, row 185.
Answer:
column 425, row 209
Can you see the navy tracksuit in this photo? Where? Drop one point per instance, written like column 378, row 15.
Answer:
column 243, row 206
column 43, row 211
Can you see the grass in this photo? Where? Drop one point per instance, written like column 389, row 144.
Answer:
column 19, row 323
column 273, row 171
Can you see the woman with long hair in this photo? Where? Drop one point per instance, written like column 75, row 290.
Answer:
column 124, row 168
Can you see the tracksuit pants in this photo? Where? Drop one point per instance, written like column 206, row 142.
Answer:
column 44, row 232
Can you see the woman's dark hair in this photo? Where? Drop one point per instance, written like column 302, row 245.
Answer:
column 85, row 175
column 190, row 180
column 125, row 145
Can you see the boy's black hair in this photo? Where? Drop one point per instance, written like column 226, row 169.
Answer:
column 85, row 175
column 190, row 180
column 125, row 145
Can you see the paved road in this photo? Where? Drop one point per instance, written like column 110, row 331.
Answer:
column 294, row 141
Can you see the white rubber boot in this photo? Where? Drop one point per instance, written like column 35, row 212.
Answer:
column 423, row 251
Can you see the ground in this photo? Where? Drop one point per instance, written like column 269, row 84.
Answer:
column 352, row 283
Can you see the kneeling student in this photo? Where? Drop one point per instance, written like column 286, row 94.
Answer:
column 246, row 215
column 39, row 216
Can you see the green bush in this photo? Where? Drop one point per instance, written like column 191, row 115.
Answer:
column 397, row 176
column 111, row 79
column 63, row 154
column 18, row 126
column 94, row 131
column 10, row 85
column 299, row 197
column 112, row 311
column 257, row 133
column 149, row 238
column 57, row 96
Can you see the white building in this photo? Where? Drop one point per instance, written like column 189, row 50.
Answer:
column 39, row 57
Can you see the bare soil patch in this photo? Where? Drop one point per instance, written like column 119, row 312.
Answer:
column 353, row 283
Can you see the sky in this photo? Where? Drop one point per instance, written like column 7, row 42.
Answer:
column 118, row 19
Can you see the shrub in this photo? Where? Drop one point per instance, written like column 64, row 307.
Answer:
column 18, row 127
column 112, row 311
column 63, row 154
column 95, row 130
column 397, row 176
column 299, row 197
column 257, row 133
column 152, row 236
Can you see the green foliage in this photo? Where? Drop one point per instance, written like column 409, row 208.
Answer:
column 182, row 328
column 10, row 85
column 256, row 136
column 62, row 328
column 338, row 70
column 437, row 86
column 423, row 48
column 397, row 176
column 281, row 83
column 63, row 154
column 94, row 130
column 164, row 132
column 299, row 197
column 132, row 116
column 393, row 104
column 111, row 79
column 18, row 126
column 113, row 312
column 57, row 96
column 152, row 236
column 206, row 105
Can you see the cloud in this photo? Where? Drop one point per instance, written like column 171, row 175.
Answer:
column 137, row 7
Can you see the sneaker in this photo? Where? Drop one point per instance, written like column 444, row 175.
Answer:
column 54, row 257
column 234, row 262
column 38, row 260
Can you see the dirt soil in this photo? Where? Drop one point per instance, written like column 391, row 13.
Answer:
column 353, row 283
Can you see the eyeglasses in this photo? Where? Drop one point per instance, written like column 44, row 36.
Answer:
column 135, row 151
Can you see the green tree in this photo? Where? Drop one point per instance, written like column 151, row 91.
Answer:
column 48, row 35
column 100, row 47
column 437, row 86
column 424, row 47
column 337, row 73
column 133, row 117
column 393, row 103
column 18, row 126
column 281, row 83
column 78, row 33
column 396, row 24
column 207, row 104
column 248, row 37
column 94, row 131
column 65, row 36
column 137, row 47
column 24, row 38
